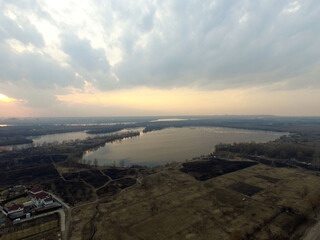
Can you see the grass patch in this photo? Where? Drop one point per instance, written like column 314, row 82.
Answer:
column 204, row 170
column 245, row 188
column 269, row 179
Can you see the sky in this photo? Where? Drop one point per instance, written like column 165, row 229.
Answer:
column 63, row 58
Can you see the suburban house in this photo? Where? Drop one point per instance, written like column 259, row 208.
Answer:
column 40, row 198
column 26, row 202
column 35, row 191
column 17, row 208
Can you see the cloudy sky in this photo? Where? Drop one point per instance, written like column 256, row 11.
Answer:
column 159, row 57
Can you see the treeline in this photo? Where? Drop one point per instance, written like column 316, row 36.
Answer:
column 27, row 131
column 4, row 141
column 279, row 151
column 300, row 126
column 108, row 129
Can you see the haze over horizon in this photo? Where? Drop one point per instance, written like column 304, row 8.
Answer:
column 120, row 58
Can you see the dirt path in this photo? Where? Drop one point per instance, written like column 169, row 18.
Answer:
column 93, row 228
column 313, row 233
column 110, row 180
column 105, row 174
column 96, row 202
column 55, row 166
column 94, row 191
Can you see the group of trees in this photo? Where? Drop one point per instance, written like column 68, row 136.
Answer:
column 279, row 151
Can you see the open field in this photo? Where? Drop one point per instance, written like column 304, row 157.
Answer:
column 174, row 205
column 42, row 228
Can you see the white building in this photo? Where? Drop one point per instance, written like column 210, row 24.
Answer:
column 41, row 199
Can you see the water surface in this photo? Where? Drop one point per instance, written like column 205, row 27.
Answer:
column 172, row 144
column 60, row 138
column 169, row 120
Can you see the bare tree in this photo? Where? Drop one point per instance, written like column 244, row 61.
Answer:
column 95, row 162
column 316, row 159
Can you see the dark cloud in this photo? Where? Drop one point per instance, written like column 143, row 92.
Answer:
column 38, row 69
column 234, row 43
column 20, row 29
column 29, row 68
column 146, row 21
column 83, row 55
column 91, row 63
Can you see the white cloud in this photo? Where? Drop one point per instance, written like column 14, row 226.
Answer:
column 86, row 20
column 292, row 7
column 243, row 19
column 9, row 13
column 20, row 47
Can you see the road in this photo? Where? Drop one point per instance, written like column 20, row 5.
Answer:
column 66, row 219
column 313, row 233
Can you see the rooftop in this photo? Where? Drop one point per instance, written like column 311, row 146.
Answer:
column 42, row 195
column 35, row 190
column 15, row 207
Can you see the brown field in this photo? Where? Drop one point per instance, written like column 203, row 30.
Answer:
column 280, row 204
column 18, row 201
column 41, row 228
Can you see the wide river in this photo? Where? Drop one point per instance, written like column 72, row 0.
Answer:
column 60, row 138
column 172, row 144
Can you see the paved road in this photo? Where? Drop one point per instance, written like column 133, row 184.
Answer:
column 67, row 219
column 59, row 200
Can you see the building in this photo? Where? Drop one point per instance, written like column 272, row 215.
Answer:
column 35, row 191
column 34, row 201
column 41, row 199
column 17, row 208
column 48, row 201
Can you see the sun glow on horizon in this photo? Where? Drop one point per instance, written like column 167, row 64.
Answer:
column 188, row 101
column 163, row 101
column 6, row 99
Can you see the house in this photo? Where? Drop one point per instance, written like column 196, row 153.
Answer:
column 41, row 199
column 28, row 203
column 48, row 201
column 17, row 208
column 35, row 191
